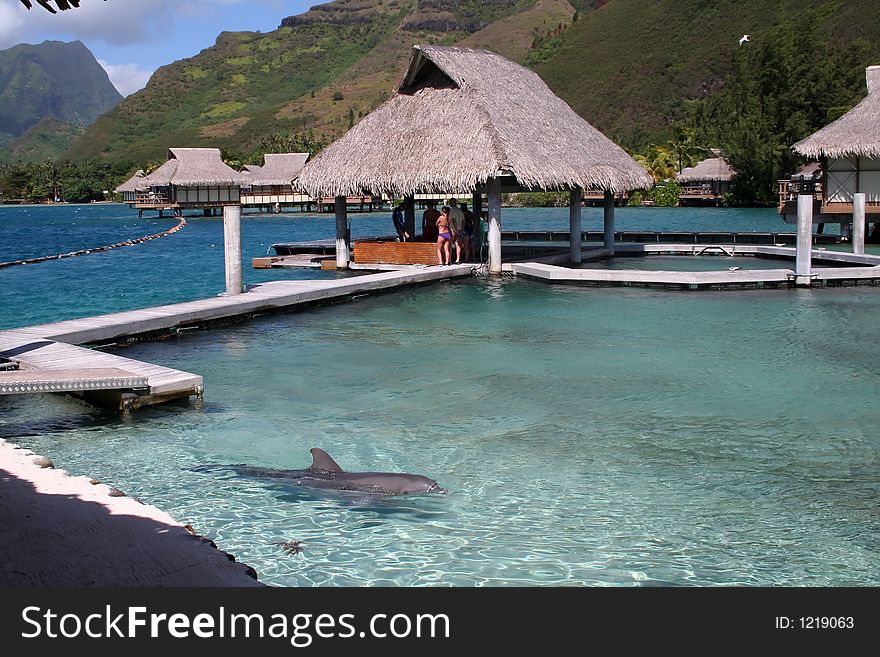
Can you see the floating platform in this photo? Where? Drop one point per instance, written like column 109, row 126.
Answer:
column 840, row 268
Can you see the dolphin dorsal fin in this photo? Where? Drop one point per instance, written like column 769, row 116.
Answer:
column 321, row 460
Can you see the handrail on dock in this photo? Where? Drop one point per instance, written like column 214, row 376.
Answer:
column 715, row 247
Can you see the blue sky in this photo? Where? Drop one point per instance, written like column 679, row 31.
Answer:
column 132, row 38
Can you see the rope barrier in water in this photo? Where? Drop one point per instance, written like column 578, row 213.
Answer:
column 98, row 249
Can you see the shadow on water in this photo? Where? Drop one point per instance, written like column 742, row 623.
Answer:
column 20, row 417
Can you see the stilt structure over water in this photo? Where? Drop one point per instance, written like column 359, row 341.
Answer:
column 706, row 183
column 848, row 190
column 271, row 185
column 192, row 178
column 472, row 120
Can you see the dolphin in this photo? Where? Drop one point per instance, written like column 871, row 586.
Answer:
column 325, row 473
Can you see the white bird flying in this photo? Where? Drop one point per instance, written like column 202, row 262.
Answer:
column 743, row 39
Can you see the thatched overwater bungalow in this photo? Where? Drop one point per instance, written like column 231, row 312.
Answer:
column 271, row 185
column 128, row 189
column 472, row 120
column 192, row 178
column 706, row 183
column 849, row 152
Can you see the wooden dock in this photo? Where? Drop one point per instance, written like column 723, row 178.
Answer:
column 51, row 352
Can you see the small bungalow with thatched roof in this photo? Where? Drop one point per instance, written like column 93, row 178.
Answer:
column 706, row 183
column 465, row 119
column 271, row 185
column 849, row 152
column 128, row 189
column 191, row 178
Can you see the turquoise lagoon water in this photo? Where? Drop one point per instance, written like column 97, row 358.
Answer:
column 689, row 263
column 589, row 436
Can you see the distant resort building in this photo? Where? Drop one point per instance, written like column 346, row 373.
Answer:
column 271, row 185
column 473, row 121
column 192, row 178
column 706, row 183
column 128, row 189
column 848, row 152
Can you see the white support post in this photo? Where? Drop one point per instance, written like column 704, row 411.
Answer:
column 494, row 193
column 803, row 264
column 858, row 236
column 232, row 248
column 609, row 222
column 342, row 246
column 574, row 225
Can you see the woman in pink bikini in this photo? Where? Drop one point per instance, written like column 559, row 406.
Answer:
column 444, row 236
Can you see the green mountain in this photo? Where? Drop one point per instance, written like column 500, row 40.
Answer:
column 633, row 68
column 319, row 71
column 54, row 80
column 639, row 71
column 44, row 141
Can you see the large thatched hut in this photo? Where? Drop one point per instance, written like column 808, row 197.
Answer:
column 271, row 185
column 849, row 152
column 705, row 183
column 466, row 119
column 191, row 178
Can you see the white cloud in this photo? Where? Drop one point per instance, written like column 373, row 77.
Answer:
column 11, row 20
column 127, row 78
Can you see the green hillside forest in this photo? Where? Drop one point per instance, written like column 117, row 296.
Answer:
column 665, row 79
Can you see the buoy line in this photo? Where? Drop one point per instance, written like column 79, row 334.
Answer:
column 98, row 249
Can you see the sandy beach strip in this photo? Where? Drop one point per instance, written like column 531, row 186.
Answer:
column 58, row 530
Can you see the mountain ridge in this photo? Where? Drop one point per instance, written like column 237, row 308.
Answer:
column 56, row 80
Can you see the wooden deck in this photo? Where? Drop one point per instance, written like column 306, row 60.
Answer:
column 52, row 349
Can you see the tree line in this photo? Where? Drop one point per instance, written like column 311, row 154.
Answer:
column 95, row 180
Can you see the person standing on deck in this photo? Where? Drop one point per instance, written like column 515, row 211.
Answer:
column 429, row 222
column 456, row 223
column 444, row 237
column 399, row 223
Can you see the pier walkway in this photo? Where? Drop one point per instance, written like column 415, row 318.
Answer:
column 49, row 353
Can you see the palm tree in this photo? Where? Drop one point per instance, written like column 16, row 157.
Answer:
column 684, row 146
column 63, row 5
column 659, row 161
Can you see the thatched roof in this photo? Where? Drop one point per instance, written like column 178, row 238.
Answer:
column 713, row 169
column 460, row 117
column 131, row 184
column 855, row 133
column 277, row 169
column 193, row 166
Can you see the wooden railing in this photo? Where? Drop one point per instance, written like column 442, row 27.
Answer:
column 151, row 198
column 703, row 191
column 789, row 190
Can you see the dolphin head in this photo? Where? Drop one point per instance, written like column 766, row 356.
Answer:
column 418, row 484
column 396, row 483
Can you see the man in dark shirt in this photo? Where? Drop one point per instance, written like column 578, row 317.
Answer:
column 399, row 223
